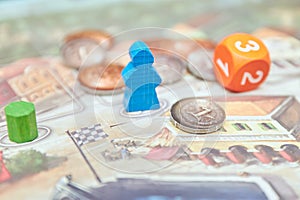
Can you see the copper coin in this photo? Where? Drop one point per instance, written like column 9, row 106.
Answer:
column 101, row 79
column 82, row 52
column 102, row 37
column 181, row 47
column 267, row 32
column 85, row 48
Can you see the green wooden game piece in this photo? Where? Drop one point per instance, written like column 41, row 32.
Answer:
column 21, row 121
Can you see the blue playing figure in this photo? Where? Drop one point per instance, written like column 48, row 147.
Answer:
column 141, row 79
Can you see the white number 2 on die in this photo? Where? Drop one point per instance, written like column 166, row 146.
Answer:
column 223, row 66
column 251, row 79
column 250, row 46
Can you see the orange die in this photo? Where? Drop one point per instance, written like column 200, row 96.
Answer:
column 241, row 62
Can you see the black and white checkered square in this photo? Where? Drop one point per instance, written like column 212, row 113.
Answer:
column 89, row 134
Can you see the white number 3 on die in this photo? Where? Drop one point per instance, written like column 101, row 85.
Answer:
column 250, row 46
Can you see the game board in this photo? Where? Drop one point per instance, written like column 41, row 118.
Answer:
column 44, row 82
column 89, row 147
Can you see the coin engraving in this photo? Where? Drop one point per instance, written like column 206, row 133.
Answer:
column 203, row 114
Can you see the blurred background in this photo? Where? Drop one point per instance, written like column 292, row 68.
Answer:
column 37, row 27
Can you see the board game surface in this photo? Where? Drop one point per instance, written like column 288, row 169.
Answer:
column 89, row 147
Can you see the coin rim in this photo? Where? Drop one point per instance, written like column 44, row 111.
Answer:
column 101, row 91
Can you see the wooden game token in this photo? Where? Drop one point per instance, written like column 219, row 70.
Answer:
column 85, row 48
column 140, row 79
column 21, row 121
column 101, row 79
column 169, row 67
column 197, row 115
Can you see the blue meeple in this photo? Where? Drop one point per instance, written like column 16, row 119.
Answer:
column 141, row 79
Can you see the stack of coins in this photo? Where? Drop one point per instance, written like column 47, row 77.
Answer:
column 197, row 115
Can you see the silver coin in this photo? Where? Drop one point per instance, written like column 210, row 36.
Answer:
column 170, row 68
column 82, row 52
column 197, row 115
column 201, row 64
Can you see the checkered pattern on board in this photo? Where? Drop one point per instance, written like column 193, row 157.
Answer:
column 89, row 134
